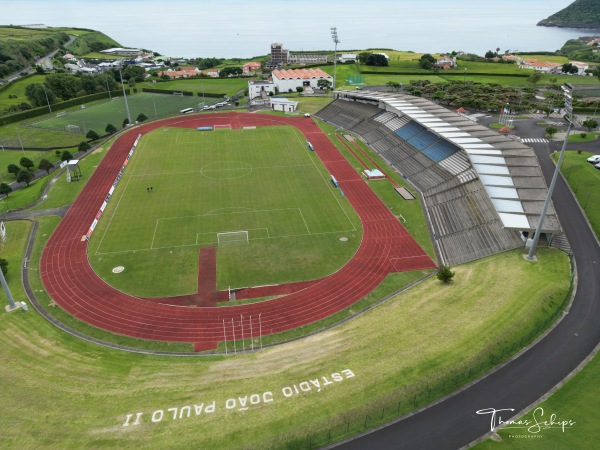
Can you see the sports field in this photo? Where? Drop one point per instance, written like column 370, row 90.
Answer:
column 96, row 117
column 264, row 181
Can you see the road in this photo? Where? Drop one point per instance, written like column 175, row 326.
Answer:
column 453, row 423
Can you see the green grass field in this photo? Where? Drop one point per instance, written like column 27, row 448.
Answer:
column 69, row 393
column 264, row 181
column 97, row 116
column 224, row 86
column 18, row 88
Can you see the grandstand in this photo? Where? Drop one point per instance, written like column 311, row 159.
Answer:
column 483, row 192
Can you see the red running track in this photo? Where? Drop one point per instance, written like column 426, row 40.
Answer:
column 386, row 247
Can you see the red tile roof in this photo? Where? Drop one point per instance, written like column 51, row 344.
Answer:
column 304, row 74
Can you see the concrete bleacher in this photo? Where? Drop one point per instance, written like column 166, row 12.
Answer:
column 462, row 216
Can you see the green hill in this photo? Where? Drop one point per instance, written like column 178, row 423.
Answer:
column 579, row 14
column 19, row 46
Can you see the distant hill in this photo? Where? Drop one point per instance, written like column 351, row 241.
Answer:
column 20, row 46
column 579, row 14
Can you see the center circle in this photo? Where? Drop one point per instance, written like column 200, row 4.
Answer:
column 226, row 170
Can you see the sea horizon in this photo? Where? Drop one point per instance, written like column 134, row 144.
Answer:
column 236, row 29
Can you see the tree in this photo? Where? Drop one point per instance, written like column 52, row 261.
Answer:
column 376, row 59
column 230, row 72
column 590, row 124
column 324, row 84
column 13, row 168
column 135, row 73
column 63, row 85
column 427, row 61
column 125, row 122
column 489, row 54
column 37, row 96
column 141, row 117
column 24, row 176
column 394, row 85
column 39, row 70
column 534, row 79
column 110, row 129
column 444, row 274
column 92, row 135
column 362, row 57
column 83, row 147
column 299, row 89
column 5, row 189
column 26, row 162
column 551, row 130
column 66, row 156
column 45, row 165
column 4, row 266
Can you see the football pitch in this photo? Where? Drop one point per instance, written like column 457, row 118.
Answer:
column 96, row 117
column 183, row 188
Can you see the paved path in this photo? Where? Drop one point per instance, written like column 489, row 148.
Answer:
column 28, row 214
column 453, row 423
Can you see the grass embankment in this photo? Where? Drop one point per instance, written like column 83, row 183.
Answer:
column 576, row 138
column 394, row 352
column 584, row 180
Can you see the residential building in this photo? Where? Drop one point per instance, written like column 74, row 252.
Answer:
column 540, row 66
column 260, row 88
column 279, row 55
column 307, row 58
column 251, row 67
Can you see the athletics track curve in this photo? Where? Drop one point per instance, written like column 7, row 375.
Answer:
column 386, row 247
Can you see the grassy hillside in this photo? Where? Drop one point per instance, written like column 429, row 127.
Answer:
column 93, row 41
column 19, row 46
column 579, row 14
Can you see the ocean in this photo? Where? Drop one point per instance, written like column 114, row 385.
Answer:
column 237, row 28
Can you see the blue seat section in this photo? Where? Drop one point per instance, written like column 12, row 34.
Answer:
column 422, row 140
column 440, row 150
column 409, row 130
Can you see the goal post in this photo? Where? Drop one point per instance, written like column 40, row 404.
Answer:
column 232, row 237
column 73, row 129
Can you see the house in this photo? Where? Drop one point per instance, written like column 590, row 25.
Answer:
column 70, row 57
column 581, row 67
column 446, row 63
column 289, row 80
column 174, row 74
column 251, row 67
column 540, row 66
column 213, row 73
column 260, row 88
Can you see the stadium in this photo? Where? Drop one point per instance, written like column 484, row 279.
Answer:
column 125, row 212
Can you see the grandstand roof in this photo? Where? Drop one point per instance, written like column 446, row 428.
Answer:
column 508, row 169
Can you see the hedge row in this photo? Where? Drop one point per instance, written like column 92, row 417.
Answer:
column 36, row 112
column 166, row 91
column 188, row 93
column 444, row 73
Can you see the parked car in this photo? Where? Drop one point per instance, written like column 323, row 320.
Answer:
column 594, row 159
column 597, row 166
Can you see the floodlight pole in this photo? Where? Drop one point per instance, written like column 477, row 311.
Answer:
column 125, row 97
column 336, row 41
column 568, row 91
column 11, row 301
column 47, row 101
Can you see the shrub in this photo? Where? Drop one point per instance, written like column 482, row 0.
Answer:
column 444, row 274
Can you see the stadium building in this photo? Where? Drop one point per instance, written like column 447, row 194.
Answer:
column 482, row 192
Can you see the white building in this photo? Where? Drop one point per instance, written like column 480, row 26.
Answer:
column 260, row 88
column 346, row 57
column 289, row 80
column 283, row 104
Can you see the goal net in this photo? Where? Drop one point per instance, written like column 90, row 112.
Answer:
column 232, row 237
column 178, row 93
column 223, row 127
column 61, row 114
column 73, row 128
